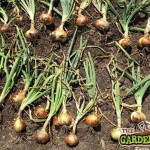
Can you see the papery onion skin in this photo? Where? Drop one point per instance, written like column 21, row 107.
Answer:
column 46, row 19
column 55, row 121
column 19, row 19
column 65, row 118
column 59, row 35
column 4, row 28
column 18, row 97
column 116, row 133
column 102, row 24
column 71, row 140
column 125, row 42
column 32, row 34
column 42, row 137
column 40, row 112
column 144, row 41
column 19, row 125
column 137, row 117
column 93, row 120
column 82, row 20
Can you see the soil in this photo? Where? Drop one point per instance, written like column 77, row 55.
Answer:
column 90, row 138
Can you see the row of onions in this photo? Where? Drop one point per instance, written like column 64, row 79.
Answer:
column 139, row 87
column 54, row 85
column 123, row 20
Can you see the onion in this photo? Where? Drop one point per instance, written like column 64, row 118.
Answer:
column 71, row 140
column 55, row 121
column 32, row 33
column 116, row 133
column 81, row 20
column 1, row 116
column 4, row 28
column 137, row 116
column 65, row 118
column 59, row 34
column 144, row 41
column 19, row 125
column 125, row 42
column 18, row 97
column 93, row 120
column 102, row 24
column 46, row 19
column 40, row 112
column 19, row 19
column 42, row 137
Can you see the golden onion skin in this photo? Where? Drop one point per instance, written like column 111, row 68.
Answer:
column 19, row 125
column 4, row 28
column 18, row 97
column 46, row 19
column 40, row 112
column 59, row 35
column 137, row 117
column 42, row 137
column 125, row 42
column 116, row 133
column 55, row 121
column 19, row 19
column 82, row 20
column 64, row 118
column 93, row 120
column 144, row 41
column 71, row 140
column 32, row 34
column 102, row 24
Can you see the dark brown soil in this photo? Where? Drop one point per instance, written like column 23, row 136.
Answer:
column 90, row 138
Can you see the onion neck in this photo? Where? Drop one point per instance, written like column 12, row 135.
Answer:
column 19, row 116
column 118, row 122
column 139, row 109
column 79, row 12
column 47, row 105
column 50, row 7
column 62, row 25
column 64, row 106
column 47, row 121
column 32, row 27
column 74, row 127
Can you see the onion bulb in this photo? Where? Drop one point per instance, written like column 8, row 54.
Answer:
column 1, row 116
column 55, row 121
column 4, row 28
column 102, row 24
column 137, row 116
column 81, row 20
column 116, row 133
column 46, row 19
column 40, row 112
column 19, row 19
column 32, row 33
column 18, row 97
column 125, row 42
column 42, row 137
column 64, row 118
column 71, row 139
column 144, row 41
column 19, row 125
column 59, row 34
column 93, row 120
